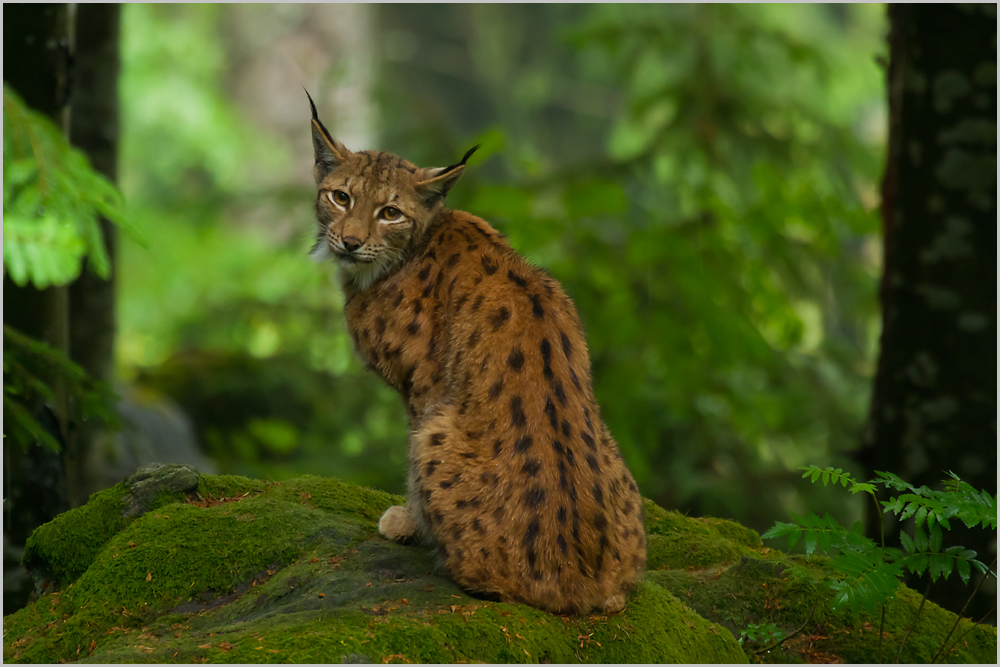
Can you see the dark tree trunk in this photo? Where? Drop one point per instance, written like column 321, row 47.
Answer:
column 94, row 130
column 934, row 401
column 36, row 64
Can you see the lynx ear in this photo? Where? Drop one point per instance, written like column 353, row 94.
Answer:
column 433, row 183
column 329, row 152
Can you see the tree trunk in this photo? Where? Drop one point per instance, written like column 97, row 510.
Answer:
column 94, row 130
column 36, row 65
column 934, row 401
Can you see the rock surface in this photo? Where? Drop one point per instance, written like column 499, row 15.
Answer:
column 229, row 569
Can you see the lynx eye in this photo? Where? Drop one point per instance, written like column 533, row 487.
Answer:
column 339, row 197
column 390, row 214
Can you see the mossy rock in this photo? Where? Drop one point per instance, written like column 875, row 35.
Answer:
column 171, row 566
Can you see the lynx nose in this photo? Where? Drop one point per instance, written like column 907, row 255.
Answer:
column 352, row 243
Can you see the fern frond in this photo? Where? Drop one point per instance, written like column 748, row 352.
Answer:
column 52, row 202
column 868, row 582
column 30, row 370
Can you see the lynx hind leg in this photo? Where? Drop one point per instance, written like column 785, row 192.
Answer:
column 397, row 524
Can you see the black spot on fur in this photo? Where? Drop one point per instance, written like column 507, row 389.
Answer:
column 490, row 265
column 517, row 417
column 474, row 338
column 517, row 280
column 558, row 447
column 516, row 358
column 414, row 328
column 398, row 300
column 437, row 439
column 550, row 410
column 380, row 324
column 546, row 348
column 567, row 348
column 536, row 307
column 601, row 522
column 531, row 534
column 561, row 541
column 562, row 515
column 592, row 462
column 451, row 482
column 589, row 440
column 497, row 447
column 576, row 380
column 567, row 430
column 531, row 467
column 427, row 291
column 424, row 273
column 478, row 302
column 534, row 497
column 600, row 553
column 431, row 465
column 499, row 317
column 523, row 444
column 598, row 494
column 478, row 527
column 560, row 394
column 495, row 389
column 453, row 260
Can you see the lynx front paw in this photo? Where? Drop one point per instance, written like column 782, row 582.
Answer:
column 397, row 524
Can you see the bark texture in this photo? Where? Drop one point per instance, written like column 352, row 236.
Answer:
column 36, row 65
column 934, row 401
column 94, row 130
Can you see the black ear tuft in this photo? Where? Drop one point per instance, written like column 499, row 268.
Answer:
column 328, row 151
column 465, row 158
column 312, row 106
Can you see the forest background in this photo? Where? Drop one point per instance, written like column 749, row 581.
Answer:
column 702, row 179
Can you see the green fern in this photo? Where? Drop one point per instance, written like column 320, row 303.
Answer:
column 52, row 202
column 868, row 574
column 30, row 370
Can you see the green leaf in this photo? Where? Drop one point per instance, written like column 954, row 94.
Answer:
column 964, row 570
column 907, row 542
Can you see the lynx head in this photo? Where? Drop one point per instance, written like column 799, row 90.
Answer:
column 373, row 208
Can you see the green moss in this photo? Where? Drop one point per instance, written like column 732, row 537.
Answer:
column 228, row 486
column 676, row 541
column 248, row 571
column 65, row 547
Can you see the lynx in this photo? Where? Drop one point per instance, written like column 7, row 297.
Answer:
column 513, row 475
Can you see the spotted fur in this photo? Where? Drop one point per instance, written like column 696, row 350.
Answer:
column 513, row 474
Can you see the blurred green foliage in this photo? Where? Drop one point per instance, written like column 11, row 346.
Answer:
column 701, row 179
column 52, row 202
